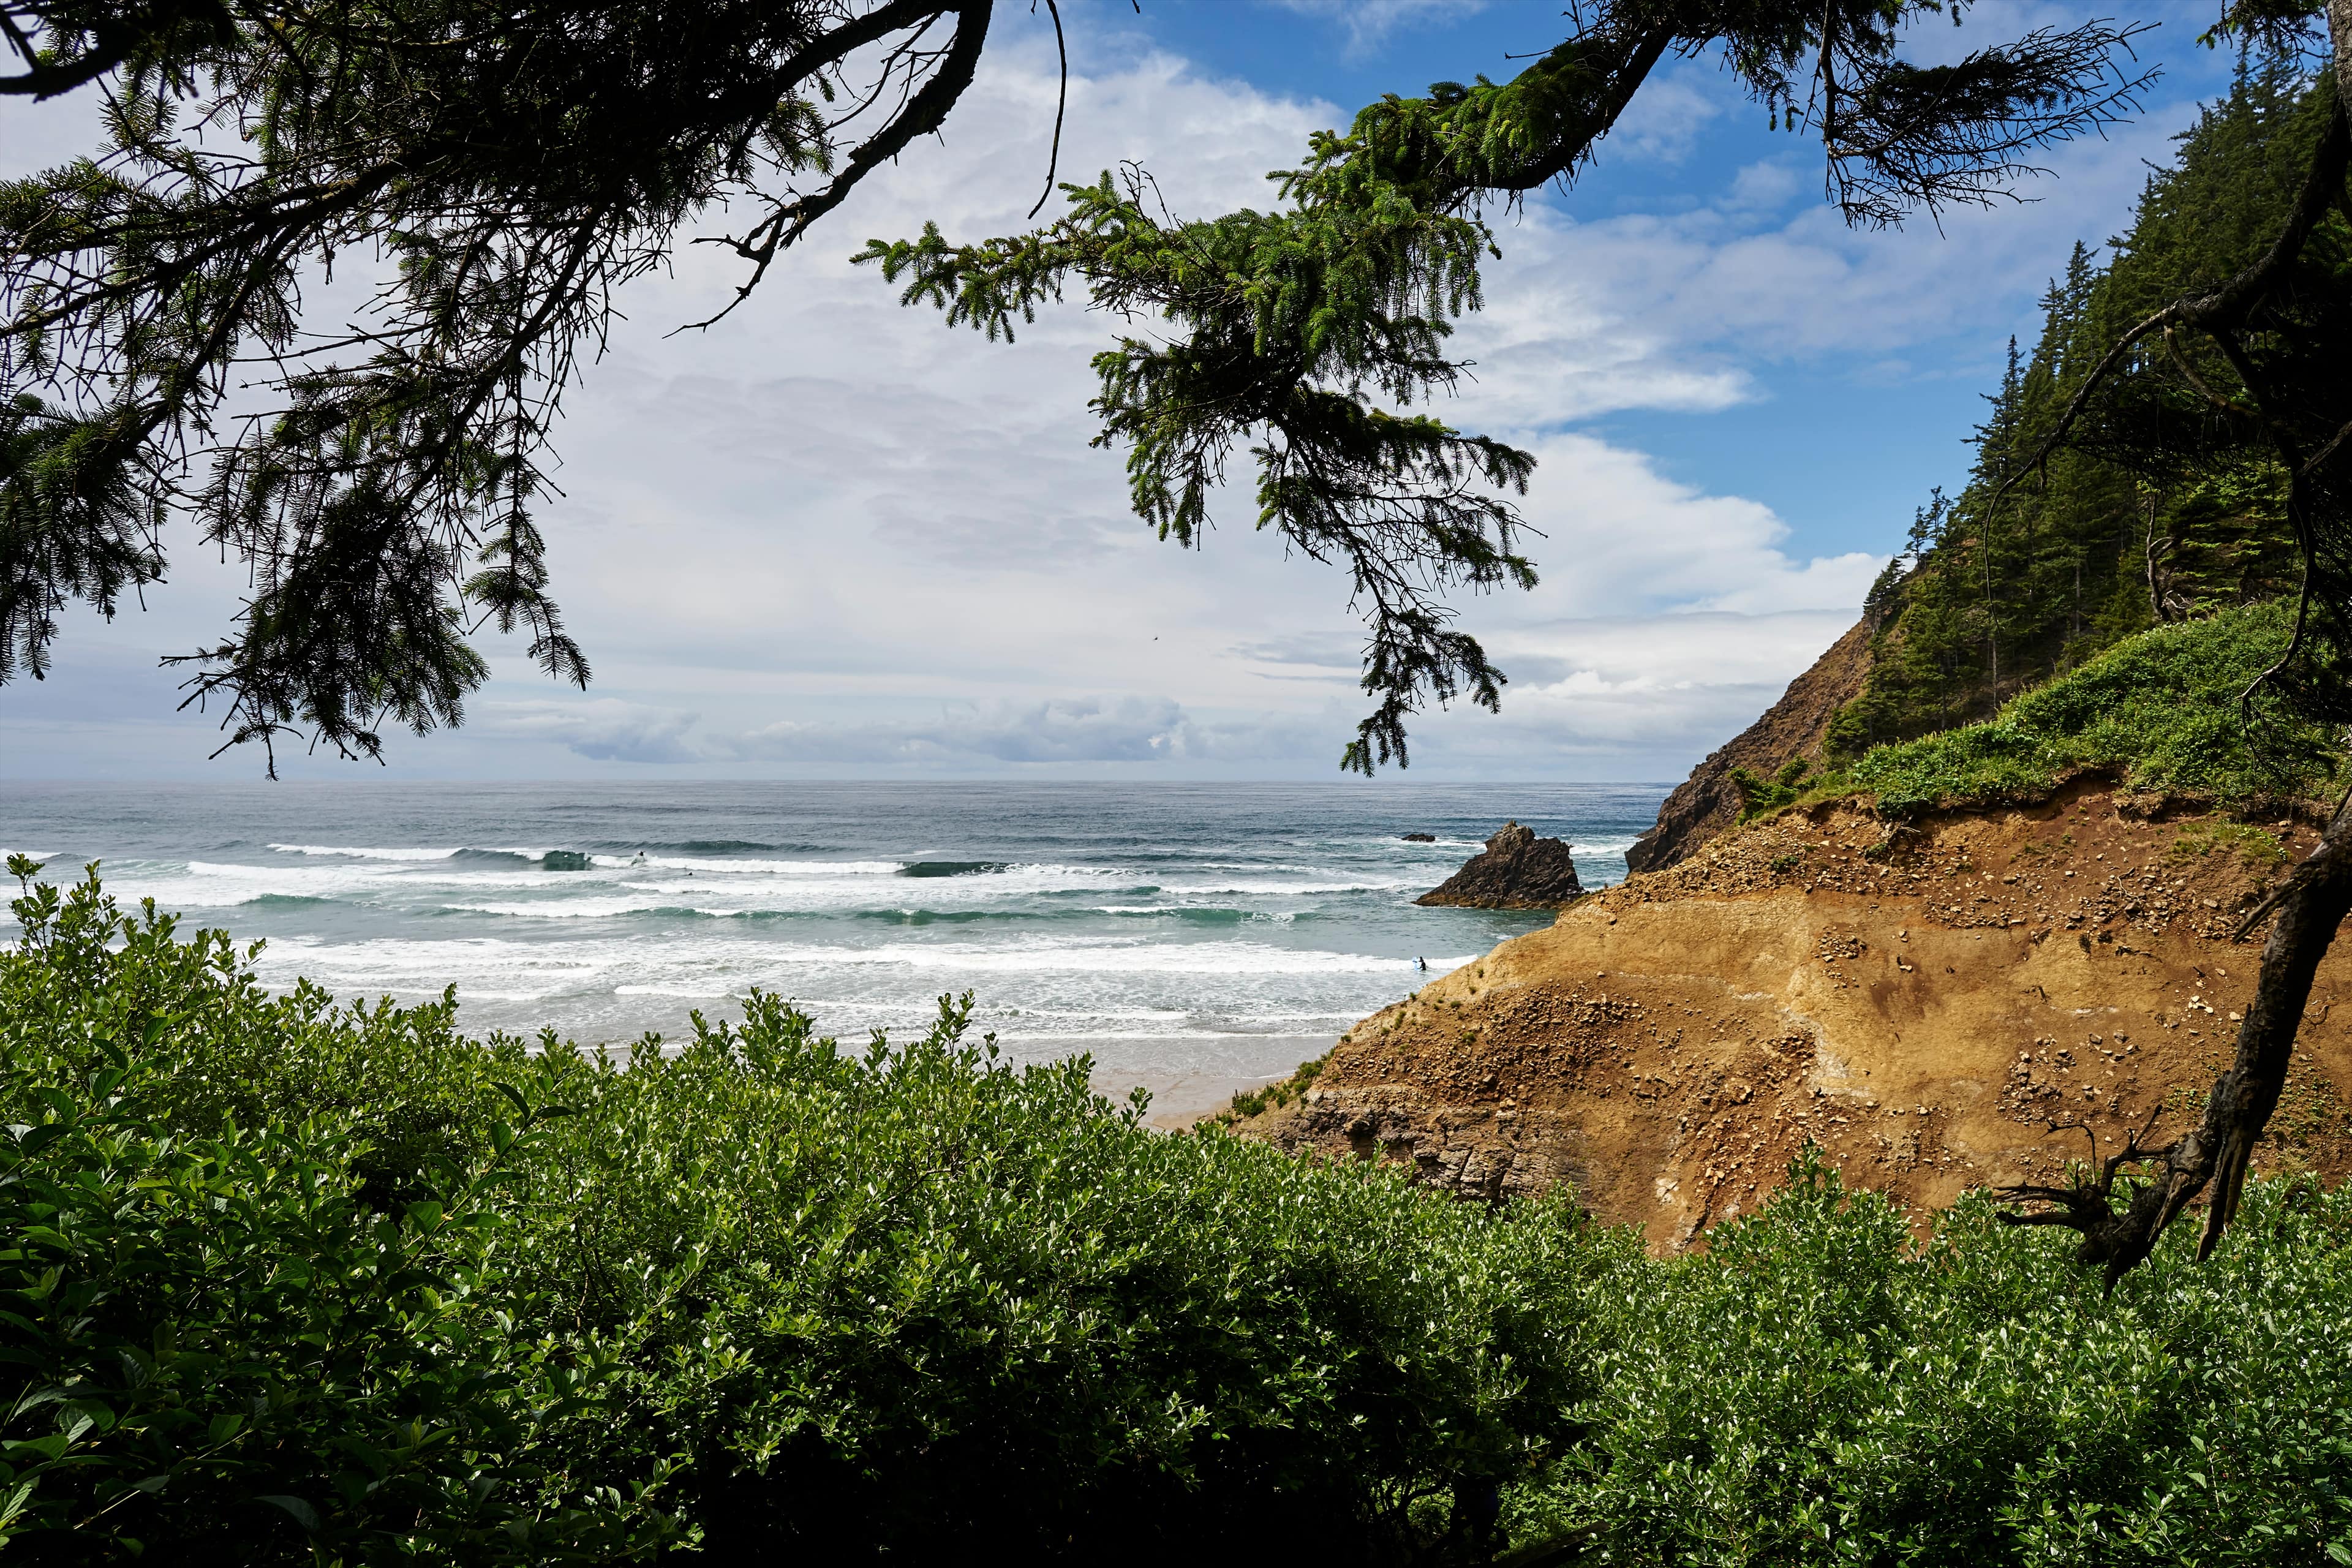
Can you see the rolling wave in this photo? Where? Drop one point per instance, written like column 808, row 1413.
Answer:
column 367, row 854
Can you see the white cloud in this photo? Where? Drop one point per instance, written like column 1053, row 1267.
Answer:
column 1368, row 21
column 846, row 537
column 1059, row 731
column 1764, row 187
column 601, row 730
column 1667, row 117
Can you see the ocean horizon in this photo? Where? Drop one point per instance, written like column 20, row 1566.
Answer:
column 1194, row 937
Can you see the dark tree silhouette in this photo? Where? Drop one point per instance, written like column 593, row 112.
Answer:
column 515, row 165
column 519, row 165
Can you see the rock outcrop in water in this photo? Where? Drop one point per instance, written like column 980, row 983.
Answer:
column 1517, row 872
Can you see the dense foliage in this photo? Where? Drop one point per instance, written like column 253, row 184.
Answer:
column 1818, row 1390
column 282, row 1281
column 278, row 1274
column 2160, row 709
column 2167, row 501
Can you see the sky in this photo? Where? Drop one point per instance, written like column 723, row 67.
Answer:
column 833, row 537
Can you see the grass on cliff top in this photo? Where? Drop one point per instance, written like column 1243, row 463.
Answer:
column 2162, row 707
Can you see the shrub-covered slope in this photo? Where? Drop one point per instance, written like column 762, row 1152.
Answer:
column 2160, row 711
column 284, row 1281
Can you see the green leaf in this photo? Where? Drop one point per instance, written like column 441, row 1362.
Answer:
column 302, row 1512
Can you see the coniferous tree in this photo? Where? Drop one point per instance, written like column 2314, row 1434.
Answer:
column 515, row 166
column 2159, row 507
column 520, row 164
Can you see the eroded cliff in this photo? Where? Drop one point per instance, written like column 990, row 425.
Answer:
column 1923, row 1001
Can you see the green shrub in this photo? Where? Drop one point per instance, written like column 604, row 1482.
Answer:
column 219, row 1354
column 1817, row 1390
column 1759, row 796
column 903, row 1300
column 2162, row 708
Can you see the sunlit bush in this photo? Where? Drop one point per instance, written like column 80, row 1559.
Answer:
column 901, row 1299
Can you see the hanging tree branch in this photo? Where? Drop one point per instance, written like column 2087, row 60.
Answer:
column 1298, row 333
column 508, row 169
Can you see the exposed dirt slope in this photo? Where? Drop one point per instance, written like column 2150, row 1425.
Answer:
column 1922, row 1006
column 1706, row 804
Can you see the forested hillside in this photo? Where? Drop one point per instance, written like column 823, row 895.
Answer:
column 2166, row 502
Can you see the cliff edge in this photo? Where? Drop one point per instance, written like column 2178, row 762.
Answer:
column 1706, row 802
column 1925, row 1001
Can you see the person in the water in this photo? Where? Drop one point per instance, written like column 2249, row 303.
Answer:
column 1422, row 964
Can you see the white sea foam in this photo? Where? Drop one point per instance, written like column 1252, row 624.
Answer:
column 1196, row 938
column 1085, row 958
column 1281, row 890
column 364, row 854
column 751, row 868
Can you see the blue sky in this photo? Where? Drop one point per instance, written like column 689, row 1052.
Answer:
column 833, row 539
column 1899, row 417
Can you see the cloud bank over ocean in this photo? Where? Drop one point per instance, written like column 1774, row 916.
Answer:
column 831, row 536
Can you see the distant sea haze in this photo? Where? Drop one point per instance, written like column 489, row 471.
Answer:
column 1194, row 937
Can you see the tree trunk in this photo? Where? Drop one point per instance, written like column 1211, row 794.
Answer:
column 2315, row 899
column 2339, row 27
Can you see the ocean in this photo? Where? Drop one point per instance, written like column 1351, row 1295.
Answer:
column 1195, row 939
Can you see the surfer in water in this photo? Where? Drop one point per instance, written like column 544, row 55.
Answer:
column 1422, row 964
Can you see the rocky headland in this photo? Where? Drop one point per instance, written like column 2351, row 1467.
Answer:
column 1706, row 802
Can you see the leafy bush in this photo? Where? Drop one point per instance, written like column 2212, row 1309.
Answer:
column 220, row 1354
column 2162, row 708
column 285, row 1281
column 904, row 1300
column 1817, row 1390
column 1761, row 796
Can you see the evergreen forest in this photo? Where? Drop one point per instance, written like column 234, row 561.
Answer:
column 2167, row 503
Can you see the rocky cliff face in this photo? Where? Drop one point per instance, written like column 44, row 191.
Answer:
column 1705, row 803
column 1517, row 872
column 1922, row 1004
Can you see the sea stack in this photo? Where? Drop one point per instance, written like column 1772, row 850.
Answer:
column 1517, row 872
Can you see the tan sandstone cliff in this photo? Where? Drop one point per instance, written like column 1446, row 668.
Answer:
column 1922, row 1004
